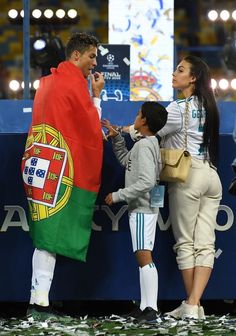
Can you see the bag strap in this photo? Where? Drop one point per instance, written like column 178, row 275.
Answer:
column 156, row 162
column 186, row 121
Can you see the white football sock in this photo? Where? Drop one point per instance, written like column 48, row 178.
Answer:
column 142, row 291
column 150, row 281
column 42, row 275
column 32, row 291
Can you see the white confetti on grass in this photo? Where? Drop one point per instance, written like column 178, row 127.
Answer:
column 212, row 326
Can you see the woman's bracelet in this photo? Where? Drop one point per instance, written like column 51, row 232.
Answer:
column 119, row 129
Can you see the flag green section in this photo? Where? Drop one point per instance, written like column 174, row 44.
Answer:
column 68, row 231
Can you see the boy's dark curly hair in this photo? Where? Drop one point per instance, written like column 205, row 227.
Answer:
column 155, row 114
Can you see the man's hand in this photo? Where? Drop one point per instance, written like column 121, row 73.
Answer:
column 108, row 199
column 97, row 83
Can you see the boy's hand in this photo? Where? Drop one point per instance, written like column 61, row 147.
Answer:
column 108, row 199
column 112, row 132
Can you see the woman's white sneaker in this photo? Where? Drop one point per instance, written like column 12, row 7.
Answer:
column 185, row 311
column 190, row 312
column 201, row 313
column 177, row 312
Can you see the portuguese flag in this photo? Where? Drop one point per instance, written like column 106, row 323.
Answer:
column 61, row 166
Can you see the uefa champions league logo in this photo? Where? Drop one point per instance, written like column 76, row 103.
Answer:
column 110, row 58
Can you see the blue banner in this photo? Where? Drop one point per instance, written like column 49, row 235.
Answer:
column 113, row 62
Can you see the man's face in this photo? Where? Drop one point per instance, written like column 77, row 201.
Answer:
column 87, row 60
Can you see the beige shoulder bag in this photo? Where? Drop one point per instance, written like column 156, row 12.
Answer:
column 176, row 162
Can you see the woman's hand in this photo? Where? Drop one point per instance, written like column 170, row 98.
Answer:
column 108, row 199
column 112, row 132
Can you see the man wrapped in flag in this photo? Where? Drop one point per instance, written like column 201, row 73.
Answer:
column 62, row 163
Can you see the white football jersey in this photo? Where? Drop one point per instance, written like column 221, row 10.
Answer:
column 173, row 131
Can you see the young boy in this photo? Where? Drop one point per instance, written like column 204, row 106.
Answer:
column 143, row 166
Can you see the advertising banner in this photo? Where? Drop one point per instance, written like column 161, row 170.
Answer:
column 113, row 62
column 148, row 27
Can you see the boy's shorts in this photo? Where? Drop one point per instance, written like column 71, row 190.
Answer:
column 143, row 230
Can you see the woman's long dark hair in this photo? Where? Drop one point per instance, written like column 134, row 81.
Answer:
column 206, row 99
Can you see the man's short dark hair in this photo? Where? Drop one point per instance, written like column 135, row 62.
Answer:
column 155, row 114
column 80, row 42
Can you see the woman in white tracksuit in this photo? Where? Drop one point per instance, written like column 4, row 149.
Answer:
column 193, row 205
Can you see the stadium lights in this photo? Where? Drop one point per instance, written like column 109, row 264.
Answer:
column 48, row 13
column 39, row 44
column 36, row 84
column 23, row 85
column 42, row 16
column 213, row 83
column 72, row 13
column 233, row 84
column 212, row 15
column 60, row 13
column 13, row 13
column 223, row 84
column 223, row 15
column 36, row 13
column 16, row 85
column 233, row 14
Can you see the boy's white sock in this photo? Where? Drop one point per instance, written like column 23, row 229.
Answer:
column 150, row 281
column 42, row 275
column 142, row 291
